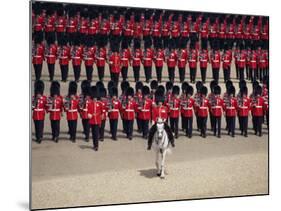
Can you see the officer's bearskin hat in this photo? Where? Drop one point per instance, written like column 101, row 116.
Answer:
column 217, row 90
column 55, row 88
column 198, row 85
column 204, row 90
column 145, row 90
column 153, row 84
column 231, row 90
column 94, row 92
column 228, row 84
column 176, row 90
column 138, row 86
column 244, row 90
column 258, row 90
column 72, row 88
column 189, row 90
column 99, row 84
column 125, row 85
column 161, row 87
column 184, row 86
column 113, row 91
column 130, row 92
column 213, row 84
column 39, row 87
column 87, row 91
column 159, row 96
column 255, row 84
column 84, row 86
column 169, row 85
column 102, row 92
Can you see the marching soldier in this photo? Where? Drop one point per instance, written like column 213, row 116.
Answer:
column 203, row 61
column 243, row 110
column 187, row 111
column 104, row 102
column 38, row 20
column 230, row 108
column 168, row 97
column 129, row 108
column 115, row 62
column 257, row 108
column 202, row 111
column 204, row 31
column 222, row 31
column 122, row 98
column 216, row 107
column 38, row 55
column 175, row 28
column 156, row 27
column 183, row 99
column 182, row 59
column 216, row 61
column 128, row 28
column 76, row 56
column 144, row 111
column 51, row 55
column 60, row 23
column 253, row 64
column 211, row 98
column 95, row 113
column 64, row 57
column 50, row 20
column 136, row 57
column 84, row 103
column 89, row 53
column 71, row 106
column 166, row 26
column 226, row 63
column 114, row 106
column 55, row 108
column 192, row 60
column 83, row 23
column 101, row 57
column 197, row 99
column 213, row 30
column 116, row 26
column 159, row 58
column 153, row 88
column 241, row 59
column 174, row 110
column 125, row 59
column 147, row 24
column 266, row 98
column 138, row 98
column 39, row 105
column 148, row 55
column 71, row 25
column 171, row 59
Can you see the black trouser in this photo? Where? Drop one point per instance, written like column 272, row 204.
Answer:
column 267, row 118
column 115, row 78
column 204, row 41
column 89, row 72
column 139, row 125
column 39, row 127
column 215, row 74
column 95, row 135
column 72, row 125
column 124, row 125
column 174, row 122
column 183, row 122
column 124, row 72
column 129, row 125
column 51, row 69
column 231, row 124
column 203, row 124
column 144, row 124
column 113, row 127
column 166, row 41
column 217, row 125
column 203, row 73
column 226, row 74
column 159, row 74
column 38, row 71
column 60, row 36
column 212, row 120
column 64, row 72
column 101, row 73
column 171, row 71
column 192, row 74
column 257, row 120
column 101, row 133
column 55, row 125
column 77, row 71
column 241, row 73
column 198, row 123
column 237, row 71
column 262, row 74
column 136, row 70
column 188, row 127
column 244, row 124
column 247, row 72
column 86, row 128
column 182, row 74
column 147, row 73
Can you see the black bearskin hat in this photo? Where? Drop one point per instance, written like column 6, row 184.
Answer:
column 137, row 44
column 231, row 90
column 124, row 44
column 84, row 86
column 39, row 87
column 176, row 90
column 244, row 90
column 125, row 85
column 110, row 85
column 147, row 42
column 217, row 90
column 138, row 86
column 72, row 88
column 213, row 84
column 184, row 86
column 228, row 84
column 198, row 85
column 189, row 90
column 169, row 85
column 113, row 91
column 145, row 90
column 258, row 90
column 204, row 90
column 102, row 92
column 161, row 87
column 153, row 84
column 99, row 84
column 159, row 96
column 130, row 92
column 242, row 83
column 55, row 88
column 94, row 92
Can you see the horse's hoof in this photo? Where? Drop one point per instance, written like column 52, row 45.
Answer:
column 162, row 177
column 158, row 174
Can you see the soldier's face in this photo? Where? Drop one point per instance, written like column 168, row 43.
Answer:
column 129, row 97
column 38, row 95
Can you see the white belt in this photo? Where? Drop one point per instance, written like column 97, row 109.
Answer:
column 136, row 58
column 147, row 58
column 203, row 107
column 158, row 59
column 130, row 110
column 203, row 60
column 243, row 107
column 124, row 59
column 63, row 57
column 216, row 106
column 226, row 61
column 76, row 57
column 253, row 61
column 54, row 109
column 100, row 58
column 38, row 109
column 72, row 110
column 174, row 109
column 113, row 110
column 145, row 110
column 258, row 106
column 182, row 59
column 230, row 108
column 192, row 60
column 85, row 109
column 37, row 56
column 188, row 108
column 242, row 60
column 215, row 60
column 171, row 60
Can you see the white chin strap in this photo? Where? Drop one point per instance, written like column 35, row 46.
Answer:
column 160, row 120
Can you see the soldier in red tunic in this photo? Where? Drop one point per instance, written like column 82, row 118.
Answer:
column 182, row 59
column 165, row 33
column 203, row 61
column 114, row 62
column 230, row 108
column 39, row 103
column 95, row 113
column 138, row 98
column 38, row 55
column 76, row 56
column 38, row 20
column 216, row 61
column 226, row 62
column 72, row 23
column 243, row 110
column 147, row 58
column 101, row 57
column 257, row 108
column 204, row 31
column 55, row 108
column 128, row 28
column 83, row 23
column 171, row 59
column 104, row 101
column 60, row 22
column 136, row 59
column 71, row 106
column 147, row 24
column 192, row 60
column 159, row 58
column 125, row 59
column 202, row 106
column 89, row 53
column 51, row 55
column 50, row 19
column 64, row 57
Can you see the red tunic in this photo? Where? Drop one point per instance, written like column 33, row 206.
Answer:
column 38, row 54
column 60, row 24
column 159, row 112
column 128, row 112
column 76, row 55
column 115, row 63
column 137, row 57
column 215, row 57
column 182, row 58
column 128, row 29
column 226, row 59
column 50, row 24
column 257, row 106
column 71, row 108
column 89, row 55
column 38, row 107
column 125, row 57
column 230, row 107
column 71, row 26
column 159, row 58
column 114, row 108
column 175, row 29
column 55, row 107
column 51, row 53
column 148, row 57
column 193, row 56
column 217, row 106
column 144, row 109
column 95, row 109
column 174, row 107
column 38, row 23
column 101, row 57
column 84, row 107
column 203, row 58
column 93, row 28
column 202, row 108
column 64, row 55
column 187, row 107
column 243, row 106
column 172, row 59
column 204, row 30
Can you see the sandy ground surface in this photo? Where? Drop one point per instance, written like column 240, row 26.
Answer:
column 72, row 174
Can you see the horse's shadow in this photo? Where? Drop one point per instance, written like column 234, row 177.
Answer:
column 148, row 173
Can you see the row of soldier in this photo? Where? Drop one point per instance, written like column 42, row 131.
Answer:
column 251, row 63
column 147, row 105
